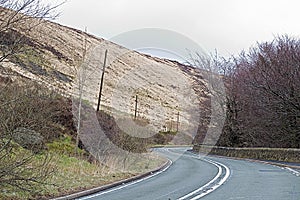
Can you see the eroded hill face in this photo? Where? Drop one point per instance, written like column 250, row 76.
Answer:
column 71, row 61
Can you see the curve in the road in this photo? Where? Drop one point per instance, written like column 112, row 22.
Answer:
column 193, row 177
column 209, row 174
column 212, row 185
column 221, row 177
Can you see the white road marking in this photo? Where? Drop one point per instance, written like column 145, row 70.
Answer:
column 222, row 181
column 211, row 189
column 215, row 186
column 207, row 184
column 296, row 173
column 128, row 184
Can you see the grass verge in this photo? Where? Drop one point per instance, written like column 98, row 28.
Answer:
column 73, row 174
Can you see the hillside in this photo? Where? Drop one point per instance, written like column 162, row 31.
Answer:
column 61, row 58
column 46, row 71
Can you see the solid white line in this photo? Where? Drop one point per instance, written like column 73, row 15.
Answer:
column 217, row 164
column 293, row 171
column 217, row 185
column 128, row 184
column 207, row 184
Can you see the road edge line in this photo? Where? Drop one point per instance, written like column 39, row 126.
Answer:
column 207, row 184
column 88, row 192
column 219, row 184
column 216, row 186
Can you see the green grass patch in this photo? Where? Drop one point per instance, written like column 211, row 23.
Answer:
column 168, row 132
column 72, row 174
column 64, row 145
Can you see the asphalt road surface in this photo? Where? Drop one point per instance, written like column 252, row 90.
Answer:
column 210, row 178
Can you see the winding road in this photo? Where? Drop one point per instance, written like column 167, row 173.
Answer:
column 210, row 178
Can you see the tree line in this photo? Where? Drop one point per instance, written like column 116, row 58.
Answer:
column 262, row 95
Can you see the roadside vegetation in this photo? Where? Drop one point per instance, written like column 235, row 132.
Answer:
column 38, row 154
column 263, row 96
column 41, row 155
column 127, row 142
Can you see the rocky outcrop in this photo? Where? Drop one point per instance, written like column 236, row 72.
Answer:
column 28, row 139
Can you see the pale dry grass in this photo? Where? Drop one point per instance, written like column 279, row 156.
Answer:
column 71, row 174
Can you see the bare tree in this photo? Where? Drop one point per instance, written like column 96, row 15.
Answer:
column 213, row 109
column 262, row 89
column 271, row 83
column 82, row 77
column 26, row 121
column 25, row 111
column 17, row 19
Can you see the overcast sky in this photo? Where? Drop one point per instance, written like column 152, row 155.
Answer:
column 228, row 26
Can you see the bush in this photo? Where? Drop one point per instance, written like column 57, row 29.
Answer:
column 26, row 123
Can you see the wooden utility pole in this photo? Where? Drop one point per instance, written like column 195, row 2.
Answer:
column 101, row 83
column 136, row 106
column 177, row 125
